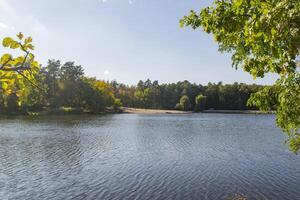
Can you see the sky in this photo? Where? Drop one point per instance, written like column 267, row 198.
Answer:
column 122, row 40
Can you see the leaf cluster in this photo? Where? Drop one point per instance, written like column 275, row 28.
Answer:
column 17, row 72
column 263, row 37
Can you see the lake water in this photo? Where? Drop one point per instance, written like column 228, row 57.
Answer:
column 129, row 156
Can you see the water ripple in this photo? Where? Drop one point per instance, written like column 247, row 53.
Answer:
column 205, row 156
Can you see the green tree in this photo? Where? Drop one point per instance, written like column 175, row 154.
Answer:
column 285, row 97
column 185, row 103
column 178, row 106
column 70, row 71
column 263, row 37
column 50, row 74
column 17, row 73
column 70, row 85
column 165, row 96
column 200, row 102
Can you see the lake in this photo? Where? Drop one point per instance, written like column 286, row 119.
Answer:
column 131, row 156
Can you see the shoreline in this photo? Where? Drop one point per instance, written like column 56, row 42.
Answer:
column 128, row 110
column 239, row 111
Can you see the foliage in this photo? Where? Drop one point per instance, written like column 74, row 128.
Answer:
column 64, row 86
column 284, row 96
column 98, row 95
column 70, row 71
column 117, row 104
column 26, row 87
column 185, row 103
column 200, row 102
column 17, row 73
column 263, row 37
column 178, row 106
column 148, row 94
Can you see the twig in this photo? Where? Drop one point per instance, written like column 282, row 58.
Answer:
column 32, row 83
column 3, row 65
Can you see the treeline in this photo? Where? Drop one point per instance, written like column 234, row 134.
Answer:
column 58, row 86
column 64, row 86
column 185, row 95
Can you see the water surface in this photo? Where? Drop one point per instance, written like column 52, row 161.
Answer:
column 129, row 156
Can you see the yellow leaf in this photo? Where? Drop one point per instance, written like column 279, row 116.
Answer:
column 20, row 36
column 28, row 40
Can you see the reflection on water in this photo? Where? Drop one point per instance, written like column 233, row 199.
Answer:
column 198, row 156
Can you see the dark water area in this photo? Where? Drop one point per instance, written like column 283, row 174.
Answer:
column 129, row 156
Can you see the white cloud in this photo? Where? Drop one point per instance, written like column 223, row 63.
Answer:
column 11, row 14
column 5, row 27
column 106, row 72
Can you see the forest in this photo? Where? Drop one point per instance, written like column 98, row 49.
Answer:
column 58, row 86
column 63, row 87
column 184, row 95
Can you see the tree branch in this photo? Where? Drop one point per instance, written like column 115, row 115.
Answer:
column 32, row 83
column 16, row 69
column 3, row 65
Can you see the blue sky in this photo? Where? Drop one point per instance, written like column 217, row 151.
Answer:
column 123, row 40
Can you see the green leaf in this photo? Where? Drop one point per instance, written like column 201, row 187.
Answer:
column 4, row 85
column 270, row 43
column 5, row 58
column 7, row 41
column 14, row 45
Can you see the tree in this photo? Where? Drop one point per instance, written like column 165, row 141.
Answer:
column 263, row 37
column 50, row 74
column 26, row 87
column 70, row 85
column 178, row 106
column 70, row 71
column 200, row 102
column 97, row 95
column 165, row 96
column 285, row 95
column 185, row 103
column 212, row 93
column 17, row 73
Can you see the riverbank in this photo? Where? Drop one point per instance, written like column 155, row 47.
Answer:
column 129, row 110
column 151, row 111
column 239, row 111
column 160, row 111
column 63, row 111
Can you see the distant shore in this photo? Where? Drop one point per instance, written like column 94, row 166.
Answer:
column 239, row 111
column 130, row 110
column 152, row 111
column 159, row 111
